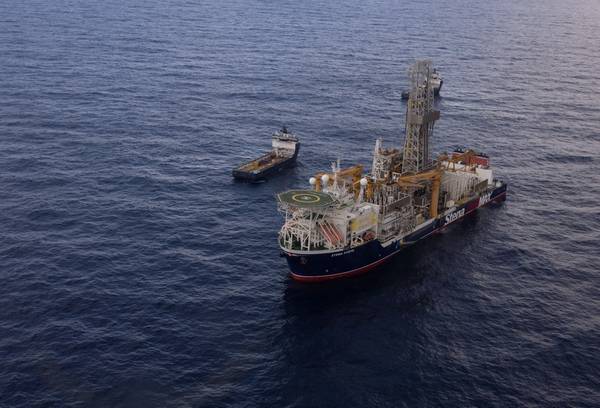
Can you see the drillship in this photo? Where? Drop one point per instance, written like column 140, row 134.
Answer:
column 350, row 222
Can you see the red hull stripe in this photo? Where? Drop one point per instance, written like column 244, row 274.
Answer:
column 367, row 268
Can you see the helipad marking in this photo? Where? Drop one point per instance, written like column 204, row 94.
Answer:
column 306, row 198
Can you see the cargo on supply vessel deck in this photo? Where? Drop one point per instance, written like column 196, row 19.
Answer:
column 285, row 148
column 350, row 222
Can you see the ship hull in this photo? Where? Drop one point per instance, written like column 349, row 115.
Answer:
column 317, row 267
column 255, row 177
column 436, row 91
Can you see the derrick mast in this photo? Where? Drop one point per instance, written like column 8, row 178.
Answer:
column 420, row 118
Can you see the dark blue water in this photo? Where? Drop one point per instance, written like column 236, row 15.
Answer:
column 135, row 273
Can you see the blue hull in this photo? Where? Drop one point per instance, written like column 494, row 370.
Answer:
column 332, row 265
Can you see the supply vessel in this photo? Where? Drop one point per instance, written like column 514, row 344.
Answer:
column 436, row 82
column 350, row 222
column 283, row 154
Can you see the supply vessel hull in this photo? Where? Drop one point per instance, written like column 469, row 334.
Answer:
column 285, row 148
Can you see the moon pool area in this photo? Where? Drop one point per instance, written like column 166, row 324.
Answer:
column 136, row 273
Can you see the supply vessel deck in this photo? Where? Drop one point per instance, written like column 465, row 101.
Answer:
column 285, row 148
column 350, row 222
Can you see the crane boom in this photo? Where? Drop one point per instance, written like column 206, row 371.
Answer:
column 435, row 176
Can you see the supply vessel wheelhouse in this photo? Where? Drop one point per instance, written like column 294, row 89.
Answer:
column 350, row 222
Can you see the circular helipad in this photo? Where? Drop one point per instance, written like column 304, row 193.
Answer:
column 305, row 198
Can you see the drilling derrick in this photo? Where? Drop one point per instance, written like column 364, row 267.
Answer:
column 420, row 118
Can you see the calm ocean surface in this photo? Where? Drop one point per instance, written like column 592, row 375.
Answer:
column 135, row 272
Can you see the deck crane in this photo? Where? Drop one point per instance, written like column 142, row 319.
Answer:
column 413, row 180
column 465, row 157
column 354, row 172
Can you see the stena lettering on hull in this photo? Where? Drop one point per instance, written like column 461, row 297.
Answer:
column 455, row 215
